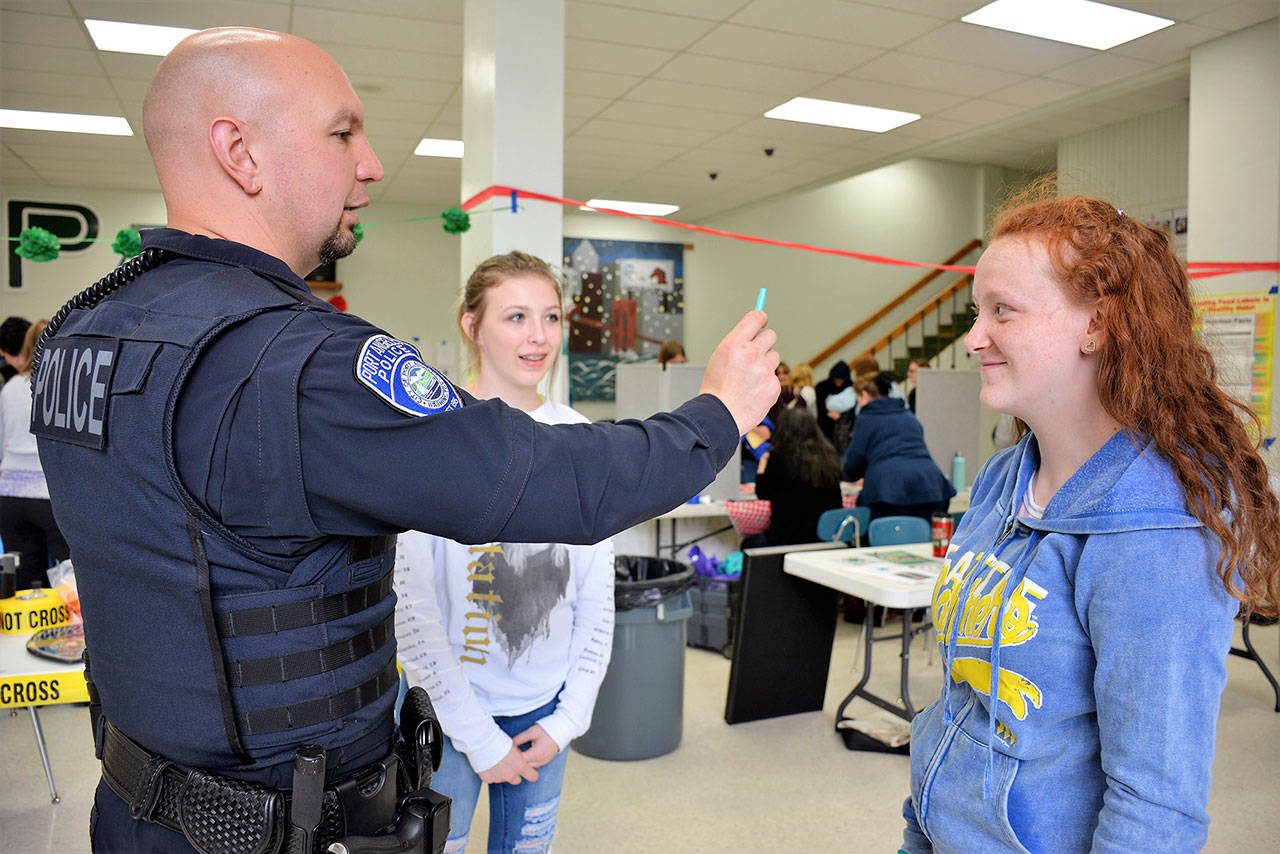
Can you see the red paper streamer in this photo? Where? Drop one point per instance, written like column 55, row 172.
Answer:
column 1195, row 269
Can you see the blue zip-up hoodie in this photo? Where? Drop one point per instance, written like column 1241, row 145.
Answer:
column 1108, row 668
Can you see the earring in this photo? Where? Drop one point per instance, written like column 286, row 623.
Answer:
column 1089, row 346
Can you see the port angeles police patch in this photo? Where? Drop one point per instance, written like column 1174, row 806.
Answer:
column 394, row 371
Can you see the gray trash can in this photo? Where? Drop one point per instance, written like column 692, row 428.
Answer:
column 639, row 711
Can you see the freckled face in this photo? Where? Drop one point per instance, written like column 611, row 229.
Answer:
column 1028, row 335
column 518, row 334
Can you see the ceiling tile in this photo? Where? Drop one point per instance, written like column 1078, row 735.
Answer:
column 980, row 111
column 40, row 82
column 714, row 10
column 1035, row 92
column 1099, row 70
column 703, row 97
column 1168, row 45
column 199, row 15
column 789, row 51
column 643, row 132
column 52, row 59
column 932, row 128
column 632, row 26
column 834, row 19
column 947, row 9
column 50, row 30
column 131, row 66
column 623, row 147
column 730, row 73
column 619, row 58
column 661, row 115
column 65, row 102
column 1177, row 10
column 984, row 46
column 44, row 7
column 873, row 93
column 781, row 132
column 756, row 139
column 377, row 31
column 600, row 84
column 584, row 106
column 430, row 10
column 377, row 109
column 923, row 72
column 367, row 61
column 1237, row 16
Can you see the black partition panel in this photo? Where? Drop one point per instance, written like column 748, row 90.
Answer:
column 782, row 650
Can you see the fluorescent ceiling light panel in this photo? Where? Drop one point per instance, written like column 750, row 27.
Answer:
column 123, row 37
column 840, row 115
column 1080, row 22
column 65, row 122
column 642, row 208
column 439, row 148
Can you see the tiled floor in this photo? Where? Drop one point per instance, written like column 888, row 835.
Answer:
column 785, row 784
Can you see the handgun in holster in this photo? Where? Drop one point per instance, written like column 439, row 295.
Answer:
column 422, row 816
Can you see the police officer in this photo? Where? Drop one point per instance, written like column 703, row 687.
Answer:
column 230, row 459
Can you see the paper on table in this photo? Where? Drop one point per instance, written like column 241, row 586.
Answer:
column 895, row 563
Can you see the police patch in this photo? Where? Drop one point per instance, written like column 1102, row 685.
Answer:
column 394, row 371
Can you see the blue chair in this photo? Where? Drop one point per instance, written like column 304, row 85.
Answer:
column 844, row 525
column 898, row 530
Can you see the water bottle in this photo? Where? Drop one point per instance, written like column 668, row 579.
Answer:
column 957, row 472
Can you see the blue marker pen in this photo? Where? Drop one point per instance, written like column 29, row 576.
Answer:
column 760, row 299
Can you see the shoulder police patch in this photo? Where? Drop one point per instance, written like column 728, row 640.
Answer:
column 394, row 371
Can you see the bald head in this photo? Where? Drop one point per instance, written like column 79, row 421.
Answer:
column 238, row 121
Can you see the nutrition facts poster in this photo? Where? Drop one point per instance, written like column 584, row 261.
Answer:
column 1239, row 330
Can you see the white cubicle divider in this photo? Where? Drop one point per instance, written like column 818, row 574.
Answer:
column 644, row 388
column 953, row 419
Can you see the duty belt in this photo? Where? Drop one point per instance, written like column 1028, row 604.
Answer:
column 222, row 815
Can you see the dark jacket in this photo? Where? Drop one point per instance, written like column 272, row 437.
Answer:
column 888, row 451
column 796, row 504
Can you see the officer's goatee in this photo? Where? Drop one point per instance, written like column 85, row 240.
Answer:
column 339, row 244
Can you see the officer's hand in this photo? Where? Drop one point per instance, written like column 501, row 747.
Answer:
column 740, row 371
column 514, row 769
column 542, row 747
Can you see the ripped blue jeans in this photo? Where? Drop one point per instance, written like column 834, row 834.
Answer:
column 522, row 819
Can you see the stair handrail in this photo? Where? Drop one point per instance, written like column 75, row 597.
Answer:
column 884, row 310
column 928, row 308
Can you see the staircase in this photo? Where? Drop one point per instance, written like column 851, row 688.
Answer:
column 930, row 331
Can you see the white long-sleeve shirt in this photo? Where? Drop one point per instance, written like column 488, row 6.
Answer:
column 497, row 630
column 20, row 472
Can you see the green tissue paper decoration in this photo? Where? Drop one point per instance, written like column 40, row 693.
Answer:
column 358, row 231
column 38, row 244
column 128, row 243
column 456, row 220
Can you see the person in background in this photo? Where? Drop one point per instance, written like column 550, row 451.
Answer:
column 27, row 525
column 671, row 353
column 887, row 452
column 510, row 640
column 1087, row 605
column 13, row 332
column 783, row 373
column 912, row 368
column 837, row 378
column 800, row 475
column 803, row 395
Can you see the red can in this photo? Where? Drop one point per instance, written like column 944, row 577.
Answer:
column 941, row 533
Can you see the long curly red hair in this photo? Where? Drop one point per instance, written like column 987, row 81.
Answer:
column 1154, row 375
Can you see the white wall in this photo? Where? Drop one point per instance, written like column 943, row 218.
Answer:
column 403, row 277
column 1140, row 165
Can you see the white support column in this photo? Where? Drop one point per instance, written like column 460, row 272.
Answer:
column 1233, row 173
column 513, row 131
column 513, row 123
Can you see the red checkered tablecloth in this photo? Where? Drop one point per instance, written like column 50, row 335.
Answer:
column 752, row 517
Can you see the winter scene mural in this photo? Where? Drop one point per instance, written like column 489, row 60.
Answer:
column 628, row 297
